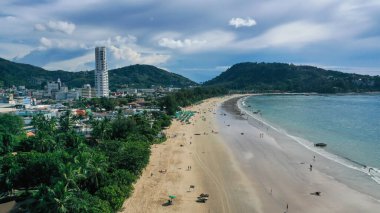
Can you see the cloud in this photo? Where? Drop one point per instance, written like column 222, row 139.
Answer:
column 175, row 44
column 14, row 50
column 46, row 43
column 117, row 40
column 128, row 54
column 56, row 26
column 124, row 49
column 240, row 22
column 292, row 35
column 203, row 42
column 73, row 64
column 43, row 57
column 328, row 32
column 39, row 27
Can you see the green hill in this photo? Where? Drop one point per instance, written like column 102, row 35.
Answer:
column 136, row 76
column 263, row 77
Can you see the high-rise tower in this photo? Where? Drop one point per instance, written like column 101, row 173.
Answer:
column 101, row 72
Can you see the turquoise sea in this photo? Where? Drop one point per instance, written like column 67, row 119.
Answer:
column 348, row 124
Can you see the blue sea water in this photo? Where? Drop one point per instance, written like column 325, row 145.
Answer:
column 349, row 124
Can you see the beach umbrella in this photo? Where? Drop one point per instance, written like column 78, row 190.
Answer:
column 172, row 196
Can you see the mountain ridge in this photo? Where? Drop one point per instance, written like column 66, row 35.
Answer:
column 134, row 76
column 264, row 77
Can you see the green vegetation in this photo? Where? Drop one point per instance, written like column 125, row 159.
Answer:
column 135, row 76
column 185, row 97
column 144, row 76
column 270, row 77
column 58, row 170
column 10, row 132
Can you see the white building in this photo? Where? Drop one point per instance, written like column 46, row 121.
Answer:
column 87, row 91
column 101, row 72
column 70, row 95
column 53, row 86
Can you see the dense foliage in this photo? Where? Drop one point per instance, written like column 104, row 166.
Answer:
column 58, row 170
column 265, row 77
column 135, row 76
column 144, row 76
column 185, row 97
column 10, row 132
column 108, row 104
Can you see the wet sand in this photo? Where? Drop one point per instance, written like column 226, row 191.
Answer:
column 241, row 172
column 281, row 169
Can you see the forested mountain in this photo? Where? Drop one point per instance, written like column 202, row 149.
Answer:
column 136, row 76
column 263, row 77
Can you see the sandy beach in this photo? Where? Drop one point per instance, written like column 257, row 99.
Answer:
column 243, row 166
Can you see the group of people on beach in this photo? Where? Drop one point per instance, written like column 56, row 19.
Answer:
column 261, row 135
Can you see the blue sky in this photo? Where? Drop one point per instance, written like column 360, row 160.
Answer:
column 197, row 38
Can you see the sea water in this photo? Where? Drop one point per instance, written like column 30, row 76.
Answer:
column 348, row 124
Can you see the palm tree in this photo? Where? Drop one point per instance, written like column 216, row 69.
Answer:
column 92, row 167
column 101, row 129
column 54, row 199
column 10, row 174
column 66, row 122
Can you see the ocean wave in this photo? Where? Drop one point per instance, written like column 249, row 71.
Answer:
column 373, row 172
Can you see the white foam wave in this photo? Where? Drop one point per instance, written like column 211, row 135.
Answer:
column 373, row 172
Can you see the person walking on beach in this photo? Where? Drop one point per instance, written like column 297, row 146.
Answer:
column 311, row 167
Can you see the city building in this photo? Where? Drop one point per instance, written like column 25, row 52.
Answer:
column 101, row 72
column 53, row 86
column 87, row 91
column 67, row 96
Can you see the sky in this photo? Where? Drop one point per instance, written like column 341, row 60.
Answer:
column 198, row 39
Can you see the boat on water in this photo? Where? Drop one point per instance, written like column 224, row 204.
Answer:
column 320, row 145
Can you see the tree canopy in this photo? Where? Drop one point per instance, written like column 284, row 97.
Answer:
column 269, row 77
column 58, row 165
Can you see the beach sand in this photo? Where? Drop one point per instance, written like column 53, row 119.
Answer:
column 241, row 172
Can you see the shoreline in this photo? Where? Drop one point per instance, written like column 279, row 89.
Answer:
column 241, row 172
column 342, row 160
column 294, row 153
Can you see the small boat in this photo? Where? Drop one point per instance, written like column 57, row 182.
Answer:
column 320, row 145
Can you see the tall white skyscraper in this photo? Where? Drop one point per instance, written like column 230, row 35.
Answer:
column 101, row 73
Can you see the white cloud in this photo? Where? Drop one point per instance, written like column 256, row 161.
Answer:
column 206, row 41
column 292, row 35
column 56, row 26
column 14, row 50
column 39, row 27
column 125, row 49
column 126, row 53
column 73, row 64
column 118, row 40
column 175, row 44
column 240, row 22
column 46, row 43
